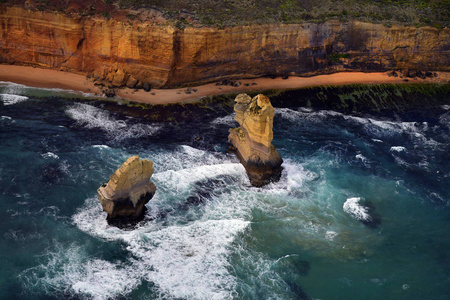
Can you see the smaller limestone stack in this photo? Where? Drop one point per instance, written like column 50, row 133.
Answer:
column 124, row 196
column 252, row 141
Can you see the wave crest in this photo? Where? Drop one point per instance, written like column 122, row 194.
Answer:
column 91, row 117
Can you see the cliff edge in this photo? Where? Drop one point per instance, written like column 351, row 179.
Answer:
column 116, row 51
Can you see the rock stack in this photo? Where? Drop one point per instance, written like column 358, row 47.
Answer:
column 124, row 196
column 252, row 141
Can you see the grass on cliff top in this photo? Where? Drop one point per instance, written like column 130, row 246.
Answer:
column 222, row 13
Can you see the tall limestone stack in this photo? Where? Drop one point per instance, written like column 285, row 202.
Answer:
column 252, row 141
column 124, row 196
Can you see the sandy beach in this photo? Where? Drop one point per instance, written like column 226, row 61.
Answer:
column 46, row 78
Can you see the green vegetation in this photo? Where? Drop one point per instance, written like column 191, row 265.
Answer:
column 355, row 98
column 365, row 98
column 241, row 12
column 336, row 56
column 222, row 13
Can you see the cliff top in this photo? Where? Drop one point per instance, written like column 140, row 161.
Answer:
column 220, row 13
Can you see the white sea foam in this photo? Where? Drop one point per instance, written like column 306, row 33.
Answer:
column 444, row 119
column 185, row 157
column 307, row 114
column 9, row 99
column 71, row 271
column 93, row 117
column 180, row 181
column 377, row 128
column 356, row 210
column 7, row 119
column 416, row 131
column 361, row 157
column 13, row 94
column 446, row 107
column 183, row 261
column 402, row 162
column 22, row 235
column 192, row 151
column 49, row 155
column 330, row 235
column 190, row 261
column 101, row 146
column 291, row 115
column 227, row 120
column 13, row 88
column 398, row 149
column 293, row 177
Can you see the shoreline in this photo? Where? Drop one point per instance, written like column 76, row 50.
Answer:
column 47, row 78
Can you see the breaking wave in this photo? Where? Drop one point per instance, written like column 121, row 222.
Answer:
column 9, row 99
column 227, row 120
column 91, row 117
column 377, row 129
column 356, row 210
column 398, row 149
column 71, row 271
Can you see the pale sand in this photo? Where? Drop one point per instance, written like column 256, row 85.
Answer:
column 46, row 78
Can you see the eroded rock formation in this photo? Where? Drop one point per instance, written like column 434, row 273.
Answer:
column 124, row 196
column 252, row 141
column 114, row 50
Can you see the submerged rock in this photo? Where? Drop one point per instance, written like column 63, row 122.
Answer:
column 124, row 196
column 252, row 141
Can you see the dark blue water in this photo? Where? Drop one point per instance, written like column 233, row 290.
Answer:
column 361, row 211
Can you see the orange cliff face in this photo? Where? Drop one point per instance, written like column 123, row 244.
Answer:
column 86, row 45
column 166, row 56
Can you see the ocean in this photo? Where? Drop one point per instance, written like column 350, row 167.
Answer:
column 361, row 210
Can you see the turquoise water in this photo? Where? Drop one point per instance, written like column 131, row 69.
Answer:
column 361, row 211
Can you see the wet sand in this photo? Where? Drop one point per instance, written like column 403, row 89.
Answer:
column 46, row 78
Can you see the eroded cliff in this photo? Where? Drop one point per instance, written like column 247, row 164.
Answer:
column 166, row 56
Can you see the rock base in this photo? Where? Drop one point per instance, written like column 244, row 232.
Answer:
column 123, row 208
column 261, row 173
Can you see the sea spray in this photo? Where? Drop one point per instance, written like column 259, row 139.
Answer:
column 353, row 207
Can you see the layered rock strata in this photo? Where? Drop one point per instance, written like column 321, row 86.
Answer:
column 124, row 196
column 252, row 141
column 119, row 52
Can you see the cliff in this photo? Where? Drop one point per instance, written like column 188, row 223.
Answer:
column 166, row 56
column 252, row 141
column 124, row 196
